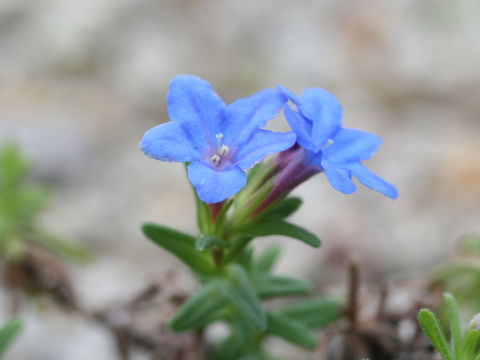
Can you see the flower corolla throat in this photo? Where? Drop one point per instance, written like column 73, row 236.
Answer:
column 222, row 150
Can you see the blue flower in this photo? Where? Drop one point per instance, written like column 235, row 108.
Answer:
column 218, row 141
column 339, row 152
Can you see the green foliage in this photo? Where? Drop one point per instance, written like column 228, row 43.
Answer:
column 21, row 202
column 464, row 344
column 278, row 227
column 8, row 333
column 234, row 281
column 181, row 245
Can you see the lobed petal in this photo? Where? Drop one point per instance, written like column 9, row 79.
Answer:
column 193, row 102
column 168, row 142
column 300, row 126
column 262, row 144
column 339, row 178
column 325, row 112
column 213, row 185
column 351, row 145
column 244, row 116
column 373, row 181
column 293, row 98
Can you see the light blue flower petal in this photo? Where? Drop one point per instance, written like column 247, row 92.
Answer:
column 351, row 145
column 325, row 112
column 193, row 102
column 293, row 98
column 168, row 142
column 372, row 180
column 214, row 186
column 301, row 126
column 339, row 178
column 262, row 144
column 244, row 116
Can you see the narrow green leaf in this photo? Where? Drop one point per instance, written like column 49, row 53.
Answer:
column 199, row 309
column 242, row 294
column 432, row 329
column 284, row 208
column 314, row 312
column 455, row 327
column 8, row 332
column 238, row 244
column 266, row 261
column 237, row 342
column 276, row 227
column 181, row 245
column 268, row 286
column 205, row 242
column 290, row 330
column 471, row 345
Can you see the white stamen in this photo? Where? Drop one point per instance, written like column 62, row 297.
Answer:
column 223, row 150
column 327, row 144
column 215, row 159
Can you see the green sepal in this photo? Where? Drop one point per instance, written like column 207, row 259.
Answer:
column 291, row 330
column 8, row 333
column 432, row 329
column 278, row 227
column 204, row 217
column 241, row 293
column 314, row 312
column 268, row 286
column 181, row 245
column 268, row 258
column 200, row 309
column 205, row 242
column 284, row 208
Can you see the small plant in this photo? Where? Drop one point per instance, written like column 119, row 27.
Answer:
column 31, row 253
column 464, row 343
column 219, row 143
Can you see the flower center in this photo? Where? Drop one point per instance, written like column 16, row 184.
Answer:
column 222, row 150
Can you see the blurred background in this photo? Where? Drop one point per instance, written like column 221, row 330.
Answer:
column 82, row 80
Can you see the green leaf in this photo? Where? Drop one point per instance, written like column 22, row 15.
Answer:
column 8, row 332
column 314, row 312
column 276, row 227
column 200, row 308
column 272, row 285
column 290, row 330
column 231, row 348
column 469, row 244
column 455, row 327
column 238, row 244
column 266, row 261
column 205, row 242
column 432, row 329
column 284, row 208
column 180, row 244
column 242, row 294
column 471, row 345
